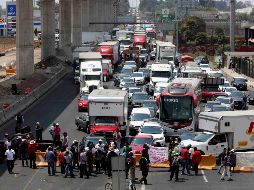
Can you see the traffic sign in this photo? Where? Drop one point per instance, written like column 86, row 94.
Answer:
column 165, row 12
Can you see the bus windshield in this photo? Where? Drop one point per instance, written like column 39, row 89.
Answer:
column 177, row 108
column 161, row 74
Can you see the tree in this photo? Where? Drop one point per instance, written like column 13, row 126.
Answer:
column 201, row 38
column 242, row 16
column 219, row 31
column 190, row 27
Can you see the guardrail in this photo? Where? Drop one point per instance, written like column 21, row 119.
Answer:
column 9, row 112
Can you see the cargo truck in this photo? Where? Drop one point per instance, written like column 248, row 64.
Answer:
column 230, row 129
column 165, row 50
column 110, row 50
column 90, row 71
column 108, row 109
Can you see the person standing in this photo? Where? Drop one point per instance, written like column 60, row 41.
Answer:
column 68, row 162
column 185, row 160
column 226, row 165
column 144, row 167
column 175, row 166
column 100, row 145
column 38, row 131
column 221, row 159
column 83, row 163
column 65, row 140
column 118, row 139
column 32, row 148
column 7, row 143
column 51, row 130
column 110, row 155
column 57, row 132
column 50, row 157
column 62, row 160
column 10, row 154
column 24, row 151
column 98, row 156
column 232, row 160
column 132, row 165
column 19, row 122
column 90, row 159
column 74, row 151
column 196, row 159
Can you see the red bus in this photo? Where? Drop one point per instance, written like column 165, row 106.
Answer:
column 179, row 105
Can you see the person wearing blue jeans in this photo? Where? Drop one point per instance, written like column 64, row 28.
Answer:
column 68, row 162
column 185, row 165
column 50, row 157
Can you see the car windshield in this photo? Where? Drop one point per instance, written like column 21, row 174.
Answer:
column 237, row 94
column 187, row 136
column 219, row 108
column 151, row 129
column 125, row 42
column 204, row 66
column 226, row 85
column 159, row 89
column 161, row 74
column 203, row 137
column 210, row 104
column 126, row 71
column 84, row 97
column 94, row 141
column 129, row 84
column 127, row 80
column 143, row 51
column 142, row 141
column 130, row 63
column 168, row 58
column 139, row 96
column 137, row 74
column 149, row 104
column 140, row 116
column 239, row 80
column 92, row 77
column 176, row 108
column 230, row 89
column 133, row 90
column 224, row 100
column 102, row 121
column 145, row 71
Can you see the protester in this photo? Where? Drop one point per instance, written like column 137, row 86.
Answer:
column 110, row 155
column 145, row 152
column 75, row 153
column 100, row 145
column 50, row 157
column 191, row 150
column 19, row 122
column 32, row 148
column 221, row 159
column 226, row 166
column 118, row 139
column 232, row 160
column 185, row 160
column 38, row 131
column 24, row 152
column 132, row 166
column 83, row 163
column 7, row 143
column 10, row 153
column 175, row 166
column 90, row 159
column 196, row 159
column 103, row 158
column 62, row 160
column 68, row 162
column 51, row 130
column 57, row 132
column 144, row 167
column 98, row 156
column 65, row 140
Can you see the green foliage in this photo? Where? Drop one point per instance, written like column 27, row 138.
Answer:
column 242, row 16
column 190, row 27
column 201, row 38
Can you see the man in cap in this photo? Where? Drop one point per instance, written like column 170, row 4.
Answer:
column 57, row 132
column 74, row 150
column 38, row 131
column 32, row 148
column 175, row 166
column 100, row 145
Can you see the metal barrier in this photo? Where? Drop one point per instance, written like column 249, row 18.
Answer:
column 208, row 162
column 244, row 161
column 40, row 160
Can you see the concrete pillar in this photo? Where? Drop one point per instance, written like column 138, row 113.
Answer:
column 85, row 15
column 65, row 27
column 24, row 39
column 76, row 8
column 48, row 28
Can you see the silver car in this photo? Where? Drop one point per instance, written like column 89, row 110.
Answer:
column 227, row 102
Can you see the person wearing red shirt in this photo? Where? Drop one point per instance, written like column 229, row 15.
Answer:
column 185, row 160
column 62, row 160
column 32, row 148
column 57, row 132
column 196, row 159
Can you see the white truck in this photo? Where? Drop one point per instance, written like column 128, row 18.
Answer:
column 161, row 73
column 90, row 71
column 108, row 110
column 121, row 34
column 165, row 50
column 230, row 129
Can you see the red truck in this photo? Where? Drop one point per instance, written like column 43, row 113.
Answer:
column 110, row 50
column 140, row 41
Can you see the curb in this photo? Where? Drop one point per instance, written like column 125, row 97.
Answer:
column 10, row 112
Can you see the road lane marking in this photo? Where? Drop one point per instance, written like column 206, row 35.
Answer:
column 204, row 176
column 143, row 187
column 30, row 181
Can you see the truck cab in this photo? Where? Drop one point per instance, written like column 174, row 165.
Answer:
column 107, row 70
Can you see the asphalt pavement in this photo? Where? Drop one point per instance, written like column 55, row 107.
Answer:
column 60, row 105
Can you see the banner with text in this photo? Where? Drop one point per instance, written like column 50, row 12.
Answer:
column 158, row 154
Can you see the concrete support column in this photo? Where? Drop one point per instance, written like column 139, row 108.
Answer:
column 76, row 8
column 24, row 39
column 85, row 15
column 65, row 27
column 48, row 28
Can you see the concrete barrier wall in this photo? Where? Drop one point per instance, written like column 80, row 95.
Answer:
column 9, row 112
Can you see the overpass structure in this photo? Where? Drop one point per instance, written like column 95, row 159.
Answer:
column 75, row 16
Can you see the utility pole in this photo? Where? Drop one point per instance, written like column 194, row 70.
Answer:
column 232, row 25
column 177, row 25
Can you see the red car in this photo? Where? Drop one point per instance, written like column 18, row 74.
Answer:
column 83, row 103
column 139, row 141
column 105, row 124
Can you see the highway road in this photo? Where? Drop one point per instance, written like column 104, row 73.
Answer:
column 60, row 105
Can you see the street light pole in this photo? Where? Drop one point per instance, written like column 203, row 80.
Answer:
column 177, row 25
column 232, row 25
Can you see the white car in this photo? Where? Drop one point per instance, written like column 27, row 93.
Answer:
column 228, row 102
column 159, row 87
column 228, row 90
column 225, row 85
column 154, row 129
column 138, row 115
column 205, row 67
column 125, row 80
column 132, row 90
column 138, row 77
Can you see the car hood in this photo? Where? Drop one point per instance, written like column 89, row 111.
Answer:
column 155, row 136
column 193, row 143
column 136, row 123
column 104, row 128
column 159, row 79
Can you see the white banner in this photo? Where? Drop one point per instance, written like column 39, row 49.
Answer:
column 158, row 154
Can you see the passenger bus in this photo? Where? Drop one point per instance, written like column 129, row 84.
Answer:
column 180, row 104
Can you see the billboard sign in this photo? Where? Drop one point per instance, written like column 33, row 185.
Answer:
column 11, row 9
column 11, row 17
